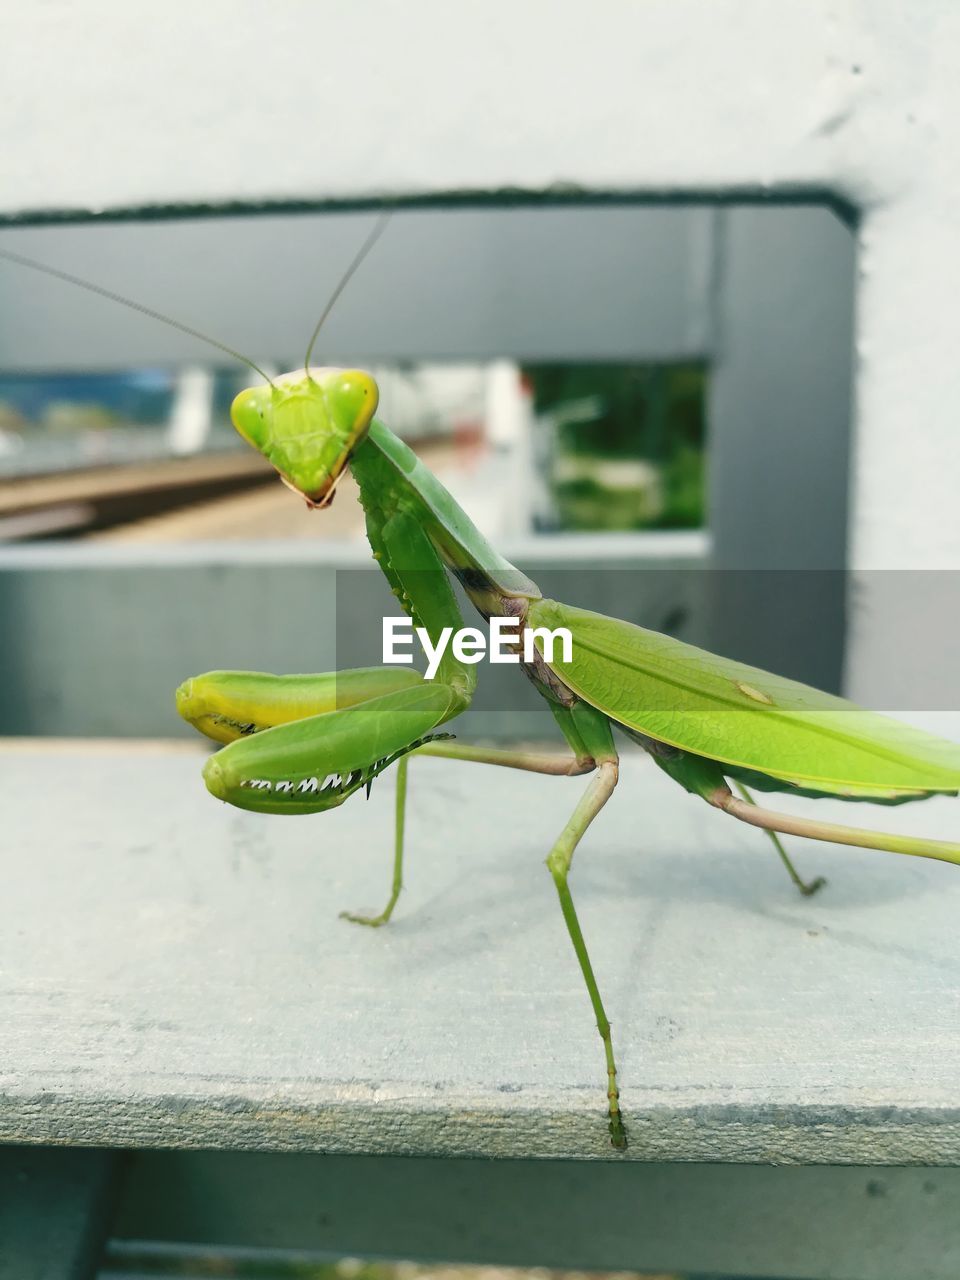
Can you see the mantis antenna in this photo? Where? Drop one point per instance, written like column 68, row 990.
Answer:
column 371, row 240
column 22, row 261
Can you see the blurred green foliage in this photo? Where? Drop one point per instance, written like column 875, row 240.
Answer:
column 628, row 443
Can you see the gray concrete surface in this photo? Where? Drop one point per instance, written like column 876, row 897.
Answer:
column 174, row 973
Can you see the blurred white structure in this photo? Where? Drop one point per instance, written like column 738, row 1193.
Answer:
column 190, row 413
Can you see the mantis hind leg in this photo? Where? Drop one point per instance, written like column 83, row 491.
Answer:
column 704, row 777
column 806, row 887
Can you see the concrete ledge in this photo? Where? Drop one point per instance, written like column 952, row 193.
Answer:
column 174, row 973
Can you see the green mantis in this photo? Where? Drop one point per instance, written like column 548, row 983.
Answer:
column 302, row 744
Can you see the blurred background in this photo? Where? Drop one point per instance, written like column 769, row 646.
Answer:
column 610, row 389
column 614, row 311
column 509, row 345
column 645, row 407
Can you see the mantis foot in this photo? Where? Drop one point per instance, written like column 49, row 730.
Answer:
column 374, row 922
column 618, row 1134
column 809, row 887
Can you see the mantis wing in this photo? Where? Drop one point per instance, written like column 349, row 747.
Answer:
column 740, row 715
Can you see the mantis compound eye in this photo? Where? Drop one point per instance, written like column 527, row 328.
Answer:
column 249, row 413
column 352, row 397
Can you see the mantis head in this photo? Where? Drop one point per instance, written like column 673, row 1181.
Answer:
column 307, row 424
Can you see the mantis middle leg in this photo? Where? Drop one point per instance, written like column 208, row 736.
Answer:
column 588, row 733
column 558, row 861
column 531, row 761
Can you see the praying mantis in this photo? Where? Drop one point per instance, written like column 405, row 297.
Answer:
column 303, row 744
